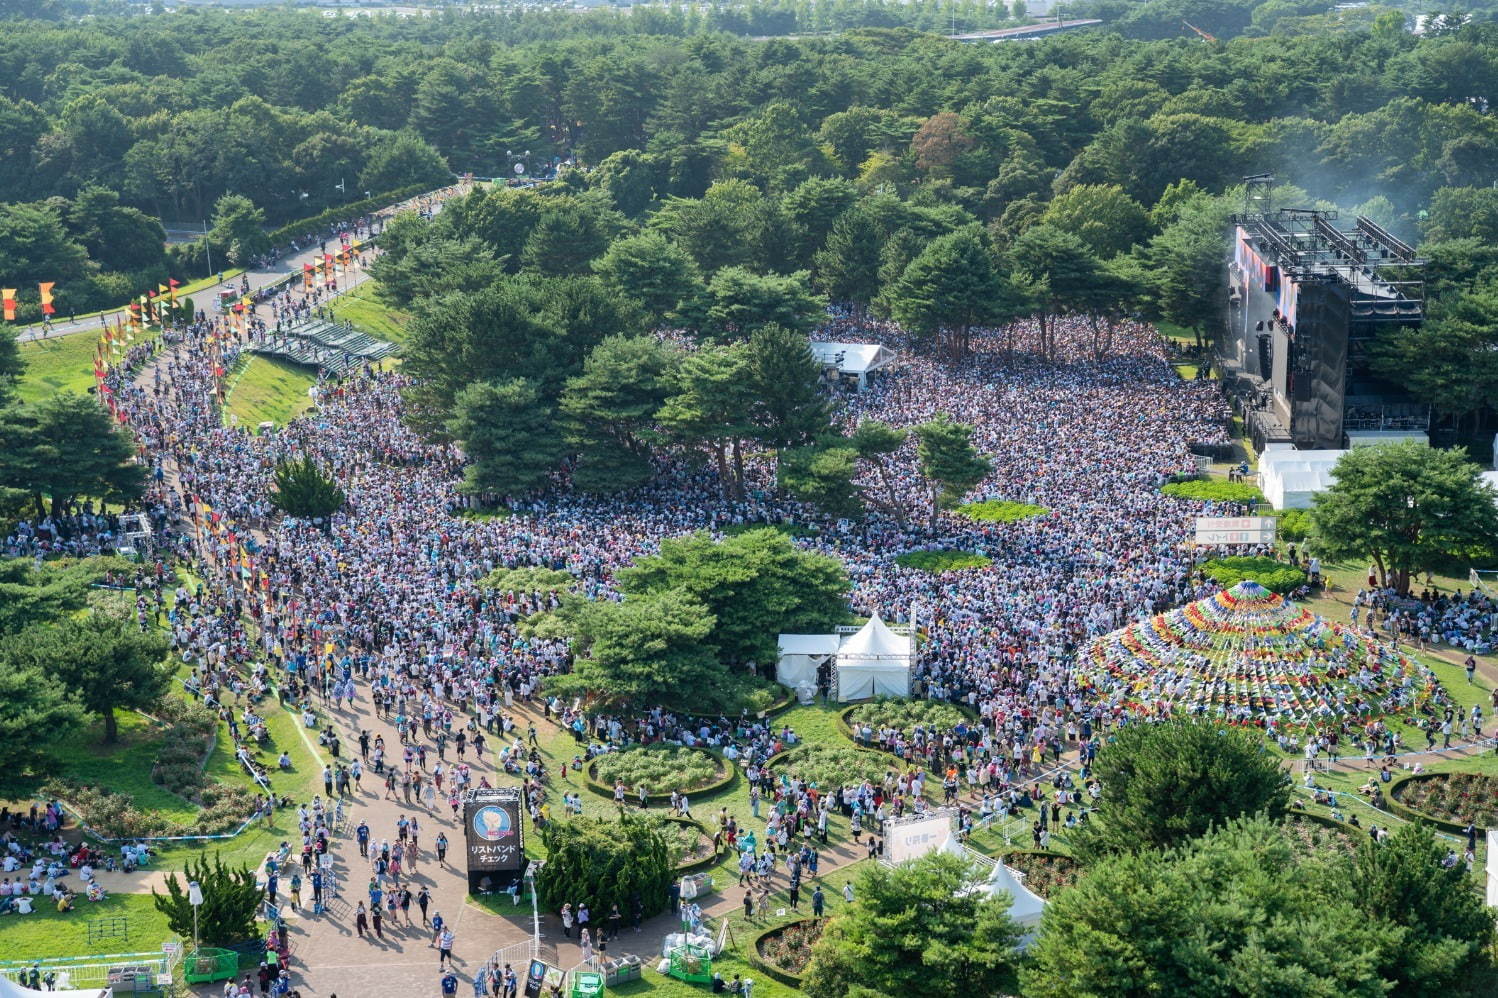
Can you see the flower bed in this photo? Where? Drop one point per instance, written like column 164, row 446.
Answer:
column 903, row 715
column 1449, row 800
column 662, row 769
column 784, row 952
column 692, row 841
column 829, row 766
column 1001, row 511
column 1320, row 833
column 943, row 560
column 1046, row 873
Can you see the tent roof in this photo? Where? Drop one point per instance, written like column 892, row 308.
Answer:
column 852, row 358
column 10, row 989
column 1028, row 906
column 873, row 643
column 808, row 644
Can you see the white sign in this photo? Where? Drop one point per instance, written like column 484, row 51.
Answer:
column 1235, row 529
column 911, row 840
column 1493, row 866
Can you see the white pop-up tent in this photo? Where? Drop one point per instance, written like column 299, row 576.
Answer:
column 1028, row 906
column 1290, row 478
column 853, row 360
column 10, row 989
column 801, row 655
column 875, row 662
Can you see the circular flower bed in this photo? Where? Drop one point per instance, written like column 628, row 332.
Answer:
column 661, row 770
column 1450, row 798
column 690, row 841
column 1046, row 873
column 787, row 948
column 904, row 715
column 830, row 766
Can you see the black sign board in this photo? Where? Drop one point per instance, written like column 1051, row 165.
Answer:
column 495, row 838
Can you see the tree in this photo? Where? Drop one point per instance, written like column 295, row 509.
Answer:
column 1185, row 264
column 739, row 301
column 35, row 246
column 510, row 437
column 714, row 229
column 106, row 662
column 1408, row 508
column 608, row 411
column 239, row 227
column 642, row 652
column 822, row 475
column 952, row 466
column 1448, row 929
column 951, row 287
column 1103, row 217
column 1451, row 361
column 651, row 270
column 846, row 268
column 231, row 900
column 916, row 929
column 303, row 490
column 1065, row 277
column 786, row 401
column 38, row 594
column 399, row 161
column 607, row 863
column 875, row 442
column 12, row 367
column 1237, row 912
column 754, row 585
column 812, row 209
column 36, row 710
column 1165, row 784
column 710, row 408
column 66, row 447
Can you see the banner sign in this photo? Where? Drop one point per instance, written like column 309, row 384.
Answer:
column 1235, row 529
column 915, row 838
column 496, row 836
column 539, row 977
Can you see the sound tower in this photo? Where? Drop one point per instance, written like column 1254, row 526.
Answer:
column 1266, row 356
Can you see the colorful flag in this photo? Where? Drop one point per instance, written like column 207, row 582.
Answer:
column 46, row 292
column 8, row 299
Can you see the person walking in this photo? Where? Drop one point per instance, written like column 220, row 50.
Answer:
column 424, row 898
column 567, row 920
column 361, row 920
column 445, row 947
column 818, row 902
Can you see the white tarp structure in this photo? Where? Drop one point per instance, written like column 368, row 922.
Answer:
column 1290, row 478
column 875, row 662
column 1491, row 477
column 1028, row 906
column 10, row 989
column 853, row 360
column 800, row 657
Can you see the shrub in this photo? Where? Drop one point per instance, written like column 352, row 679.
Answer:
column 829, row 766
column 1000, row 511
column 1294, row 525
column 1213, row 490
column 943, row 560
column 905, row 715
column 604, row 863
column 660, row 769
column 1276, row 576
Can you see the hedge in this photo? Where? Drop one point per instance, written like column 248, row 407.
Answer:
column 942, row 560
column 783, row 976
column 1409, row 813
column 1000, row 511
column 342, row 212
column 709, row 790
column 846, row 726
column 1213, row 490
column 696, row 866
column 1276, row 576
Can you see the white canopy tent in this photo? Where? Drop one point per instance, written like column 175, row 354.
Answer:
column 10, row 989
column 1028, row 906
column 875, row 662
column 853, row 360
column 801, row 655
column 1290, row 478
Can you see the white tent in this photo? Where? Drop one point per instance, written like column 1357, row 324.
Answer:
column 875, row 662
column 801, row 655
column 853, row 360
column 10, row 989
column 1289, row 478
column 1028, row 906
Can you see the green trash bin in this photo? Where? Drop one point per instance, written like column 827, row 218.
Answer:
column 587, row 984
column 207, row 965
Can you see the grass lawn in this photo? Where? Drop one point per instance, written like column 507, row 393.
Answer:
column 361, row 307
column 46, row 934
column 124, row 767
column 1186, row 371
column 269, row 389
column 64, row 363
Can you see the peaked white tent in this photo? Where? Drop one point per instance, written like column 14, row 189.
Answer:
column 10, row 989
column 1290, row 478
column 853, row 360
column 800, row 657
column 1028, row 906
column 875, row 662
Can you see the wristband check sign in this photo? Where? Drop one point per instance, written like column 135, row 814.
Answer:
column 492, row 820
column 1212, row 530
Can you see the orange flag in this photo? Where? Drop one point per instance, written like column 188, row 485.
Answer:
column 46, row 291
column 8, row 298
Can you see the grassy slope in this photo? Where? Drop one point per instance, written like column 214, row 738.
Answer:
column 65, row 363
column 361, row 307
column 47, row 934
column 268, row 388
